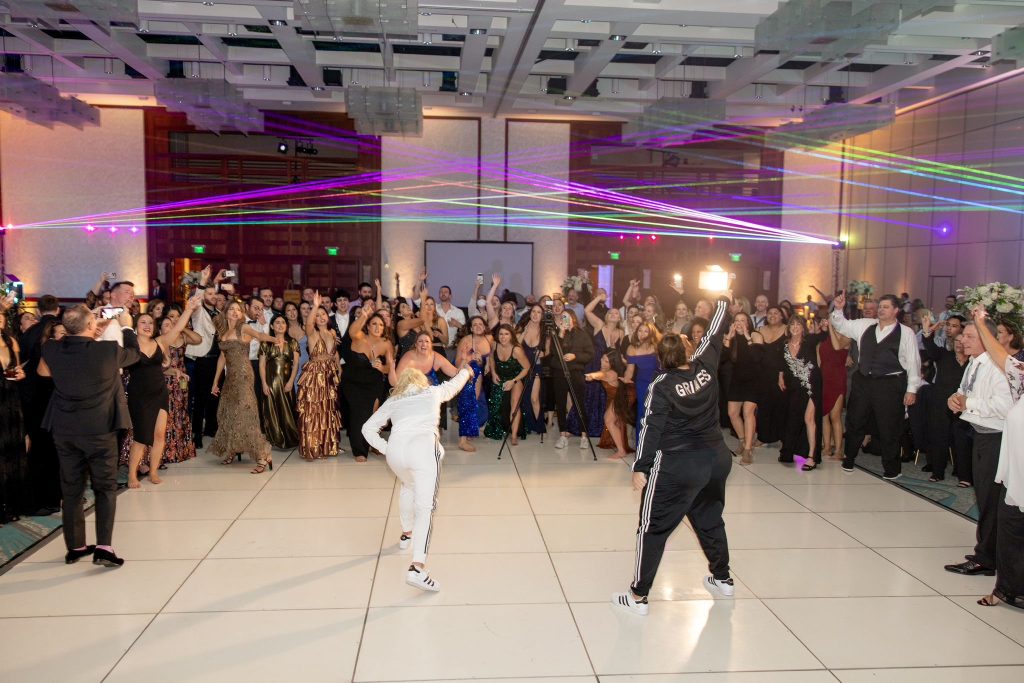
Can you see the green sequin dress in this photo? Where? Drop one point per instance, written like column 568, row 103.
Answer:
column 499, row 403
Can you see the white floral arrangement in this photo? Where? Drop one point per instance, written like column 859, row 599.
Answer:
column 191, row 278
column 1003, row 302
column 860, row 288
column 575, row 282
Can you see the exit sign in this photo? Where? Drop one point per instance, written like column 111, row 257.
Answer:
column 331, row 251
column 614, row 255
column 198, row 248
column 735, row 258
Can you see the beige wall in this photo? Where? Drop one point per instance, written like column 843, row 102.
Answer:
column 540, row 147
column 982, row 129
column 811, row 194
column 63, row 172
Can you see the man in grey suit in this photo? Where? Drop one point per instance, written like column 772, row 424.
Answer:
column 86, row 411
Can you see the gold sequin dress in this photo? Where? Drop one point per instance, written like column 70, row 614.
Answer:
column 319, row 420
column 238, row 428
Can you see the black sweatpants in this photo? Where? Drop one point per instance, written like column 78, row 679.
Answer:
column 94, row 458
column 579, row 386
column 988, row 492
column 882, row 399
column 683, row 484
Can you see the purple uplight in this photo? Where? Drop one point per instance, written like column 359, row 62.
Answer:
column 134, row 230
column 90, row 228
column 622, row 237
column 944, row 229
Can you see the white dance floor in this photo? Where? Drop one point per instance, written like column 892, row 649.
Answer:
column 295, row 575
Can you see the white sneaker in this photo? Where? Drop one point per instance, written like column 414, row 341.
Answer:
column 725, row 588
column 562, row 442
column 404, row 542
column 625, row 601
column 893, row 477
column 583, row 443
column 420, row 579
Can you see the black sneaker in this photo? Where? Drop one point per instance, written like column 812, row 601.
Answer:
column 106, row 558
column 73, row 556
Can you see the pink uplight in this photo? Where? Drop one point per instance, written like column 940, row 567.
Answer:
column 113, row 228
column 134, row 230
column 654, row 238
column 90, row 228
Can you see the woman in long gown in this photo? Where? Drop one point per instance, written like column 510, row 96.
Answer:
column 425, row 358
column 367, row 363
column 642, row 364
column 743, row 349
column 178, row 443
column 507, row 375
column 148, row 395
column 319, row 420
column 238, row 428
column 14, row 474
column 771, row 413
column 534, row 341
column 1009, row 587
column 474, row 349
column 799, row 381
column 608, row 335
column 617, row 413
column 278, row 366
column 832, row 354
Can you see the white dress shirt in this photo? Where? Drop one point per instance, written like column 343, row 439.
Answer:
column 909, row 355
column 342, row 320
column 988, row 394
column 454, row 317
column 254, row 345
column 202, row 324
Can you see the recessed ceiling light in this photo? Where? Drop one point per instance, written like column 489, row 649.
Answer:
column 425, row 14
column 568, row 97
column 585, row 21
column 477, row 31
column 277, row 22
column 208, row 3
column 318, row 88
column 617, row 37
column 465, row 93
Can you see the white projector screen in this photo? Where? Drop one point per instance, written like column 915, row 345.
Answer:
column 456, row 264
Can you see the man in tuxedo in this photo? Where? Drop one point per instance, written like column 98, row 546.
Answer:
column 86, row 412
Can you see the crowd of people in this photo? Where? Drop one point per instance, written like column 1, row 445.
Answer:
column 309, row 370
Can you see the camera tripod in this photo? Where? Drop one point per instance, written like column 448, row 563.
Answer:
column 549, row 327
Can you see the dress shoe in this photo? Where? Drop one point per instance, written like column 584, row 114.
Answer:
column 106, row 558
column 968, row 568
column 73, row 556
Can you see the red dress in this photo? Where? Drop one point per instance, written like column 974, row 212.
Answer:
column 833, row 374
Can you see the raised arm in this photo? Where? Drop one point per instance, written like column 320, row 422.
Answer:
column 588, row 311
column 450, row 389
column 371, row 428
column 179, row 325
column 994, row 348
column 492, row 313
column 848, row 328
column 712, row 341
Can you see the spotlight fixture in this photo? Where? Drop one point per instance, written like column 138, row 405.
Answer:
column 477, row 31
column 282, row 147
column 278, row 22
column 425, row 14
column 318, row 88
column 113, row 229
column 656, row 50
column 232, row 30
column 134, row 230
column 465, row 93
column 585, row 21
column 617, row 37
column 569, row 98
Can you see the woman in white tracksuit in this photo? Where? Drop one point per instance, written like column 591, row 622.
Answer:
column 414, row 453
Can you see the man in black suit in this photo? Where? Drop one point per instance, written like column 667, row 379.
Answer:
column 44, row 473
column 87, row 410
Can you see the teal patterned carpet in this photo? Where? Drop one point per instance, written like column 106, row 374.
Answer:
column 17, row 537
column 944, row 493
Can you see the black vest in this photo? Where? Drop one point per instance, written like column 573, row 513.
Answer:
column 880, row 358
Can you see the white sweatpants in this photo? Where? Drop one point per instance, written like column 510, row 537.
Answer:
column 415, row 458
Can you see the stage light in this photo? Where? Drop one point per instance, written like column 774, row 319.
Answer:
column 654, row 238
column 113, row 229
column 714, row 279
column 282, row 147
column 90, row 228
column 134, row 230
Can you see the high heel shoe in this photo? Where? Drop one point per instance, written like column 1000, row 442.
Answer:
column 263, row 465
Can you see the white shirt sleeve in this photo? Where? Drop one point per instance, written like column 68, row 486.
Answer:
column 850, row 328
column 448, row 390
column 371, row 428
column 992, row 399
column 910, row 358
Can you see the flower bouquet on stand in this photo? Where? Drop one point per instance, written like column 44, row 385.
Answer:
column 1004, row 303
column 189, row 281
column 579, row 282
column 858, row 291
